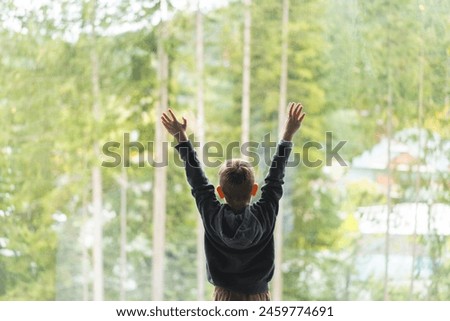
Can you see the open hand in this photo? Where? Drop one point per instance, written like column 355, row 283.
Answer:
column 174, row 127
column 294, row 120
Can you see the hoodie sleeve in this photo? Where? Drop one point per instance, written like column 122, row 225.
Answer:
column 266, row 208
column 201, row 189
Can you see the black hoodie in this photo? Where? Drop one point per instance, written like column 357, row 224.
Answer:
column 239, row 246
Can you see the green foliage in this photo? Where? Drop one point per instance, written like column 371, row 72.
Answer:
column 345, row 57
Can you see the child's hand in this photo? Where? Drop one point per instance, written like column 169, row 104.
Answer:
column 294, row 120
column 174, row 127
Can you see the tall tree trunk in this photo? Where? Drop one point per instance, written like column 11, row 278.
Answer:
column 199, row 46
column 447, row 90
column 278, row 275
column 417, row 178
column 123, row 232
column 245, row 135
column 160, row 182
column 84, row 250
column 97, row 200
column 388, row 192
column 284, row 66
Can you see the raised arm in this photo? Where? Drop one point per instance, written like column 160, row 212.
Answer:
column 272, row 189
column 174, row 127
column 202, row 190
column 294, row 121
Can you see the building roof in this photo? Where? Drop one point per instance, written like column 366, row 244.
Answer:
column 426, row 219
column 405, row 152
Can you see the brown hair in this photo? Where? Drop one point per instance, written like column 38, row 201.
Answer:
column 237, row 179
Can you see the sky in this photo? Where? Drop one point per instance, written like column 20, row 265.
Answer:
column 107, row 6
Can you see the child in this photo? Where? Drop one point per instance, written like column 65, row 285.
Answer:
column 239, row 244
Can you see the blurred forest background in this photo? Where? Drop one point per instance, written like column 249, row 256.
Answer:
column 76, row 74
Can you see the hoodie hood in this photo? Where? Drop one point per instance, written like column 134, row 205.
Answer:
column 238, row 231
